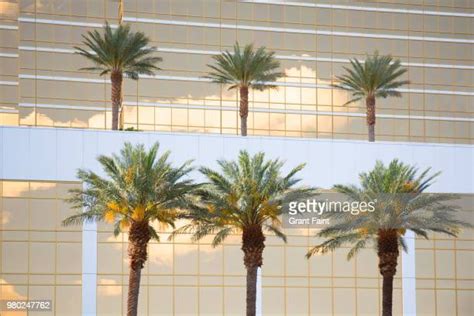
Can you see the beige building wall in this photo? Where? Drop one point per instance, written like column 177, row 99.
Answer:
column 444, row 274
column 40, row 85
column 41, row 259
column 188, row 278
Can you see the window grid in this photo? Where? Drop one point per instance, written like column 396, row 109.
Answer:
column 398, row 129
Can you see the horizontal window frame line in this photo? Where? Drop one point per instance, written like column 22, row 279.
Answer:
column 63, row 107
column 198, row 79
column 8, row 55
column 8, row 27
column 62, row 22
column 346, row 61
column 8, row 83
column 9, row 111
column 285, row 57
column 361, row 8
column 65, row 79
column 46, row 49
column 235, row 109
column 254, row 28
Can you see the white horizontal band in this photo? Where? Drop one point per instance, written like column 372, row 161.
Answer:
column 252, row 109
column 255, row 28
column 8, row 111
column 198, row 79
column 285, row 57
column 61, row 78
column 360, row 8
column 61, row 106
column 8, row 83
column 47, row 49
column 8, row 55
column 8, row 27
column 60, row 22
column 431, row 91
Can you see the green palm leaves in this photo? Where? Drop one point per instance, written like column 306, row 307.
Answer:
column 118, row 52
column 244, row 197
column 377, row 77
column 244, row 69
column 246, row 192
column 140, row 186
column 401, row 204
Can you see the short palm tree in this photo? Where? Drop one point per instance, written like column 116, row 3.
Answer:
column 400, row 205
column 376, row 78
column 118, row 52
column 246, row 198
column 244, row 69
column 141, row 188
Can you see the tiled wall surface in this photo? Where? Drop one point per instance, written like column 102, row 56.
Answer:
column 40, row 84
column 37, row 165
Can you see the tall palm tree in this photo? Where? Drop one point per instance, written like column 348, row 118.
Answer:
column 118, row 52
column 376, row 78
column 245, row 69
column 141, row 188
column 399, row 205
column 245, row 198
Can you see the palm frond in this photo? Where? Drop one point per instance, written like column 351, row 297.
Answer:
column 83, row 217
column 120, row 50
column 397, row 190
column 332, row 244
column 139, row 185
column 247, row 67
column 221, row 236
column 276, row 230
column 245, row 192
column 153, row 233
column 377, row 76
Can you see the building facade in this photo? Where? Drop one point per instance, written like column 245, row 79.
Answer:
column 84, row 269
column 41, row 84
column 54, row 120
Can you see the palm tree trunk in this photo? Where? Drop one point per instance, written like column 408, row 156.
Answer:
column 251, row 291
column 116, row 77
column 244, row 109
column 133, row 291
column 370, row 104
column 387, row 294
column 253, row 243
column 387, row 243
column 138, row 239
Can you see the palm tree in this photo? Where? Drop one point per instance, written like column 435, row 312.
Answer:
column 245, row 198
column 244, row 69
column 118, row 52
column 376, row 78
column 141, row 188
column 399, row 205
